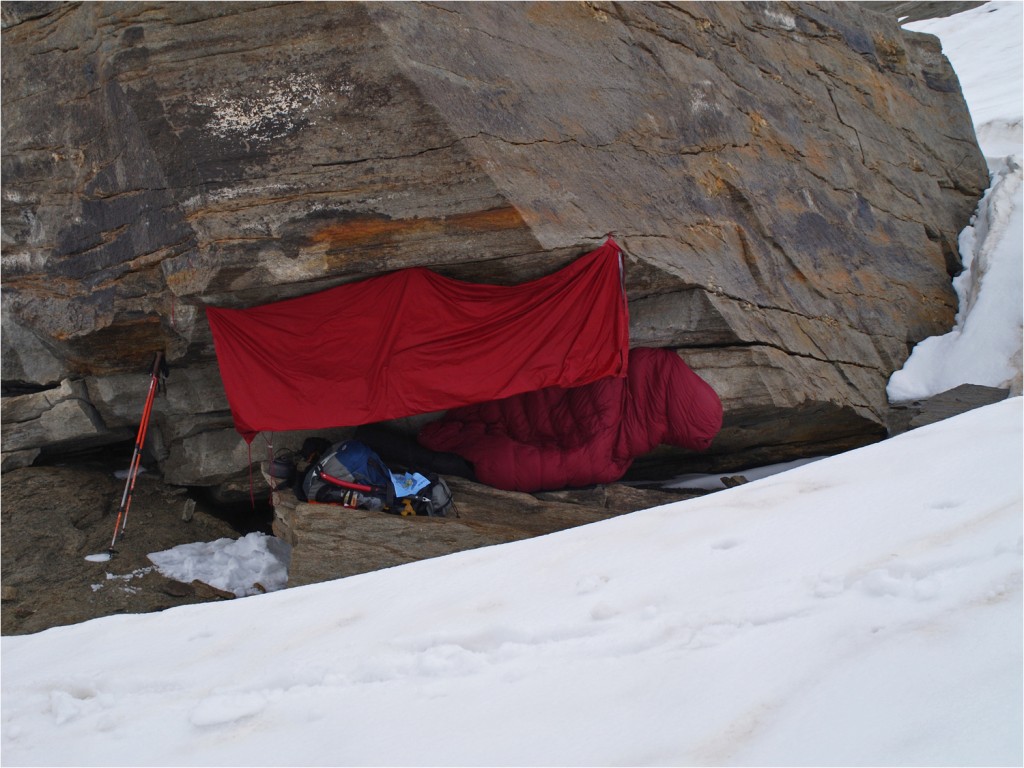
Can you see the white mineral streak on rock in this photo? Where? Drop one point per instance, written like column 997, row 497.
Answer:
column 784, row 20
column 279, row 108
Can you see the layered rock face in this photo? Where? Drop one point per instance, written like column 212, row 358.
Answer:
column 787, row 181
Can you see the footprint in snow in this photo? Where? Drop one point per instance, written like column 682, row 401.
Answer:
column 590, row 583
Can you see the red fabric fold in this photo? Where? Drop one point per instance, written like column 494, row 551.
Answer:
column 558, row 438
column 414, row 341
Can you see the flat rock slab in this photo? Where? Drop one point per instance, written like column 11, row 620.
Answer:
column 912, row 414
column 330, row 542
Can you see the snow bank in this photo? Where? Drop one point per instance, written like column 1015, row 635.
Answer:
column 234, row 565
column 984, row 346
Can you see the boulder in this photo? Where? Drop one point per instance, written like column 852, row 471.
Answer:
column 61, row 419
column 787, row 180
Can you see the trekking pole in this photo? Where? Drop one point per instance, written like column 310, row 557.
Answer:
column 133, row 470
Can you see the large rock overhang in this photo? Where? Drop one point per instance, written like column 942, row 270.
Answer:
column 787, row 180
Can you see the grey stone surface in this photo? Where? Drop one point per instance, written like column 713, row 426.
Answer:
column 53, row 516
column 57, row 419
column 911, row 414
column 330, row 541
column 787, row 180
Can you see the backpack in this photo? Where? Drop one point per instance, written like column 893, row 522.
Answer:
column 352, row 474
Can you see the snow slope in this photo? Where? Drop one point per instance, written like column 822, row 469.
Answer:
column 865, row 609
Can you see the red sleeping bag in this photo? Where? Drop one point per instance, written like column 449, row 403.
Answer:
column 568, row 438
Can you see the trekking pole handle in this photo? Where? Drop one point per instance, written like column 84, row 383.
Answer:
column 159, row 364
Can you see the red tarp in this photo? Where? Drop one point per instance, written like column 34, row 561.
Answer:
column 415, row 342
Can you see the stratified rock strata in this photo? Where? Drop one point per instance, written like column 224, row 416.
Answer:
column 788, row 181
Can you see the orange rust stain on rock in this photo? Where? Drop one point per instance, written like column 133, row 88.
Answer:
column 373, row 230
